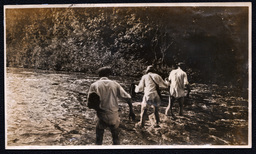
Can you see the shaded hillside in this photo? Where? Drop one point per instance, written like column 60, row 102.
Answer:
column 212, row 41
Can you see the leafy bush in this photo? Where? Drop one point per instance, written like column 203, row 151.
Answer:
column 211, row 41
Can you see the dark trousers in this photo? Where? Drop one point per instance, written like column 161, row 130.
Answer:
column 170, row 105
column 101, row 126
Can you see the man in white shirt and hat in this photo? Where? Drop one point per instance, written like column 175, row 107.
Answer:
column 104, row 96
column 148, row 84
column 178, row 82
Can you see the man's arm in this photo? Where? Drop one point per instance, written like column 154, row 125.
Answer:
column 131, row 113
column 162, row 83
column 186, row 79
column 170, row 76
column 188, row 89
column 186, row 83
column 140, row 87
column 125, row 96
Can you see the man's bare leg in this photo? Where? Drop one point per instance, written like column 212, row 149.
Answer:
column 143, row 116
column 169, row 107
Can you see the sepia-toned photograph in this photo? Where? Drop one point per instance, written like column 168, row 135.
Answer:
column 128, row 76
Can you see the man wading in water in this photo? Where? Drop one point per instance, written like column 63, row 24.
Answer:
column 104, row 96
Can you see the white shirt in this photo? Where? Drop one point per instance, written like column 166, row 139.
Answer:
column 178, row 79
column 109, row 92
column 148, row 86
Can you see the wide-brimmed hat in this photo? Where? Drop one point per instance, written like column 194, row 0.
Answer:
column 181, row 64
column 150, row 68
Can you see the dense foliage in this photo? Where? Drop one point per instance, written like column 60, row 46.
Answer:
column 213, row 42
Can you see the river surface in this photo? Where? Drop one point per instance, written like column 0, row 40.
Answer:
column 46, row 108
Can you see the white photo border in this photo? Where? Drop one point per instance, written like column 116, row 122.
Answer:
column 192, row 4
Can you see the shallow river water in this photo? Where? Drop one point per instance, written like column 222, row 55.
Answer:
column 46, row 108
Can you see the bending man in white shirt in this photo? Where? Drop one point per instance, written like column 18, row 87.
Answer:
column 151, row 98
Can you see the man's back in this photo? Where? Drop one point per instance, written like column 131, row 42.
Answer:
column 110, row 92
column 148, row 83
column 178, row 80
